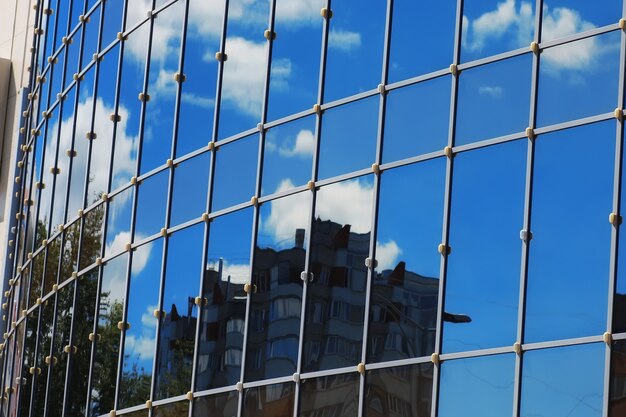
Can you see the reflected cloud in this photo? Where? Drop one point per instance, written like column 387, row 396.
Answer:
column 495, row 91
column 344, row 40
column 233, row 273
column 243, row 77
column 494, row 24
column 125, row 158
column 387, row 254
column 303, row 146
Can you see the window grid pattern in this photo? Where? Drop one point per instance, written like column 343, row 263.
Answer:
column 37, row 131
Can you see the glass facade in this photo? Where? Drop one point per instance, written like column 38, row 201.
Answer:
column 320, row 208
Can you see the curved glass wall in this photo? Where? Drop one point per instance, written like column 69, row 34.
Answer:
column 320, row 208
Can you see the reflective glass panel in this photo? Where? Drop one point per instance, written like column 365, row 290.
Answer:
column 355, row 40
column 421, row 20
column 288, row 155
column 151, row 202
column 243, row 79
column 219, row 405
column 336, row 295
column 336, row 395
column 348, row 137
column 177, row 330
column 164, row 57
column 91, row 31
column 178, row 409
column 107, row 346
column 617, row 405
column 568, row 269
column 482, row 281
column 572, row 377
column 91, row 243
column 566, row 17
column 495, row 26
column 222, row 318
column 139, row 344
column 235, row 172
column 204, row 28
column 113, row 12
column 274, row 328
column 118, row 221
column 402, row 390
column 28, row 361
column 416, row 119
column 493, row 100
column 578, row 79
column 477, row 386
column 44, row 341
column 405, row 288
column 272, row 400
column 191, row 182
column 294, row 75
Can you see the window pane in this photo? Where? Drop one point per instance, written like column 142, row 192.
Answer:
column 191, row 182
column 566, row 17
column 421, row 20
column 272, row 400
column 568, row 267
column 294, row 76
column 416, row 119
column 178, row 327
column 222, row 319
column 494, row 100
column 336, row 296
column 404, row 391
column 571, row 377
column 235, row 172
column 220, row 405
column 495, row 26
column 482, row 283
column 355, row 40
column 336, row 395
column 348, row 139
column 578, row 79
column 288, row 155
column 151, row 205
column 274, row 328
column 139, row 345
column 477, row 386
column 405, row 289
column 617, row 405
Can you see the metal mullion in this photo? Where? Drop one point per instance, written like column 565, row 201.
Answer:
column 445, row 234
column 371, row 268
column 525, row 253
column 132, row 219
column 207, row 227
column 314, row 173
column 615, row 229
column 170, row 191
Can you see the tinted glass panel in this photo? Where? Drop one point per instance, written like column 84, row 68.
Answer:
column 495, row 26
column 178, row 327
column 566, row 17
column 275, row 308
column 179, row 409
column 569, row 255
column 271, row 400
column 336, row 295
column 336, row 395
column 288, row 155
column 191, row 181
column 405, row 289
column 494, row 100
column 578, row 79
column 484, row 268
column 477, row 386
column 220, row 405
column 222, row 318
column 348, row 139
column 151, row 202
column 572, row 377
column 617, row 397
column 403, row 390
column 416, row 119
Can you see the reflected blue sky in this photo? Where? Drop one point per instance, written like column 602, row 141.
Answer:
column 477, row 386
column 484, row 267
column 568, row 267
column 571, row 377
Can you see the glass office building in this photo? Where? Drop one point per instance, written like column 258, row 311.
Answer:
column 319, row 208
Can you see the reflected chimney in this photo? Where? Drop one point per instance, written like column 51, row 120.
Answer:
column 300, row 238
